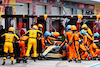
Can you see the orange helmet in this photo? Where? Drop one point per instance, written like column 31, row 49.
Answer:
column 56, row 33
column 73, row 27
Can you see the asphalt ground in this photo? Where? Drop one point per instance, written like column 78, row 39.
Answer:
column 51, row 63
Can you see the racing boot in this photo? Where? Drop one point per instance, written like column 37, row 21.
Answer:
column 3, row 62
column 39, row 57
column 69, row 60
column 78, row 61
column 98, row 57
column 25, row 59
column 11, row 62
column 86, row 59
column 34, row 59
column 74, row 59
column 94, row 58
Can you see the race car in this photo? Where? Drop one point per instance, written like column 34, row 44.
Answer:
column 52, row 51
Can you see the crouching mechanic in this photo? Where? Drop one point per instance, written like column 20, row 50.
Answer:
column 48, row 38
column 95, row 47
column 87, row 30
column 84, row 50
column 32, row 41
column 8, row 45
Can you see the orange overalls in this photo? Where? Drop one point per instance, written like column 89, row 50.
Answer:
column 22, row 45
column 89, row 43
column 83, row 49
column 68, row 35
column 75, row 44
column 42, row 41
column 48, row 40
column 94, row 48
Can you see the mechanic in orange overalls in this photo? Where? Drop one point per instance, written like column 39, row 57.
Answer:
column 75, row 43
column 89, row 44
column 89, row 39
column 68, row 35
column 83, row 49
column 22, row 41
column 22, row 44
column 48, row 38
column 87, row 29
column 8, row 45
column 95, row 47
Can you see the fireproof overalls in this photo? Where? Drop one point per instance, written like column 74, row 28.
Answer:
column 22, row 45
column 75, row 43
column 8, row 45
column 32, row 41
column 89, row 43
column 95, row 48
column 68, row 35
column 83, row 49
column 48, row 38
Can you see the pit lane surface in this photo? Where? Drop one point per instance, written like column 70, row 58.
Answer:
column 51, row 63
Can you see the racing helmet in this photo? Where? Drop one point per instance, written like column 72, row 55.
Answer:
column 68, row 27
column 84, row 26
column 11, row 29
column 47, row 33
column 40, row 26
column 83, row 32
column 35, row 27
column 73, row 27
column 56, row 33
column 96, row 35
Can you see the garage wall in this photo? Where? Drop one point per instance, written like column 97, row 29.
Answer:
column 30, row 9
column 79, row 11
column 40, row 9
column 22, row 9
column 55, row 11
column 30, row 13
column 68, row 11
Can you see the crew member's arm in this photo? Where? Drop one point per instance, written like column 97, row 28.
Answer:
column 49, row 42
column 43, row 44
column 39, row 32
column 90, row 38
column 80, row 36
column 26, row 34
column 16, row 36
column 66, row 38
column 90, row 32
column 66, row 41
column 51, row 38
column 63, row 44
column 85, row 39
column 71, row 39
column 2, row 35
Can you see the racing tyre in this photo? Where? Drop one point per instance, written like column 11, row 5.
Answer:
column 17, row 61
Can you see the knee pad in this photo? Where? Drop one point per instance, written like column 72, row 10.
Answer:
column 4, row 58
column 12, row 58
